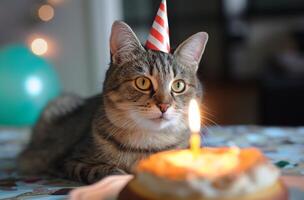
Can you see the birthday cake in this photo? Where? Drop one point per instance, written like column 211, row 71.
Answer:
column 215, row 174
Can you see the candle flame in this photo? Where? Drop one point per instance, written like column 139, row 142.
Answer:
column 195, row 126
column 194, row 116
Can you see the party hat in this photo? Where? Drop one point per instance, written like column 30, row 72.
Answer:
column 159, row 34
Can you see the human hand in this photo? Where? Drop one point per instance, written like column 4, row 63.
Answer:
column 105, row 189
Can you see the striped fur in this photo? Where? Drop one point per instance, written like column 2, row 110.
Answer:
column 87, row 139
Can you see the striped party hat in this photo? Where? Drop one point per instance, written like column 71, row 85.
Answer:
column 159, row 34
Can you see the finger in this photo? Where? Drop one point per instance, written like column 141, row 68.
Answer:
column 78, row 193
column 125, row 178
column 111, row 191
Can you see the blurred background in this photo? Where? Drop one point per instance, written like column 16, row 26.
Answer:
column 252, row 69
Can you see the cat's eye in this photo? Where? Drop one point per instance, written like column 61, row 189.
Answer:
column 178, row 86
column 143, row 83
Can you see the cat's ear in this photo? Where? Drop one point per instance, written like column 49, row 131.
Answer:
column 190, row 51
column 123, row 42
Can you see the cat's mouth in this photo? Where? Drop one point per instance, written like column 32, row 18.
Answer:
column 160, row 118
column 154, row 122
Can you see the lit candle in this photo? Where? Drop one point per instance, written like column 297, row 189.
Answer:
column 207, row 162
column 195, row 126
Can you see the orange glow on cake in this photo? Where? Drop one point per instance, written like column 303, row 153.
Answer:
column 211, row 163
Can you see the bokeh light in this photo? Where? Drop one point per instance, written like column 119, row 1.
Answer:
column 46, row 12
column 39, row 46
column 33, row 85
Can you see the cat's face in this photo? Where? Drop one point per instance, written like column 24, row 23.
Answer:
column 147, row 89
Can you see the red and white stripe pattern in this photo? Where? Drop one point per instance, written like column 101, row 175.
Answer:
column 159, row 34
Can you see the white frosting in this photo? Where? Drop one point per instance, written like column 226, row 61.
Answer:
column 259, row 177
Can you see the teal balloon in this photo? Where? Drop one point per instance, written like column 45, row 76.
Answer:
column 27, row 83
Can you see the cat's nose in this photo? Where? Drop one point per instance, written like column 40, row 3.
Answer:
column 163, row 107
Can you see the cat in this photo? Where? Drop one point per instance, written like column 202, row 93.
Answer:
column 142, row 110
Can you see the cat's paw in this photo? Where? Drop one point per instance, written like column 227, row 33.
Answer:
column 96, row 173
column 117, row 171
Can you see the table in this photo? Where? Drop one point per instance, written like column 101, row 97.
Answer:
column 284, row 147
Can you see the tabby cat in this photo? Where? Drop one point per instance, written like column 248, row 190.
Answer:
column 142, row 110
